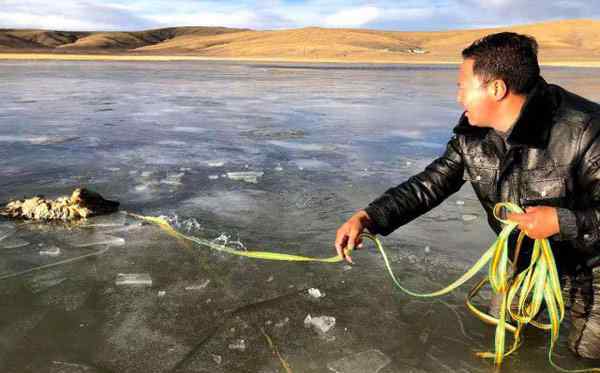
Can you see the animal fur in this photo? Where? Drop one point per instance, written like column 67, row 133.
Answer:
column 81, row 204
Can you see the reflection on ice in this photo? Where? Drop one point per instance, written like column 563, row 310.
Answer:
column 302, row 146
column 236, row 205
column 85, row 239
column 189, row 129
column 39, row 140
column 311, row 164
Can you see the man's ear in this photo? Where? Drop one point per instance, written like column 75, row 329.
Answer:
column 498, row 89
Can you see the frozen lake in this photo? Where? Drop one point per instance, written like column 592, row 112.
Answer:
column 263, row 156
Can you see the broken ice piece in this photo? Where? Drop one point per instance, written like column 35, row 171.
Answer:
column 217, row 358
column 460, row 202
column 238, row 344
column 321, row 324
column 198, row 287
column 161, row 293
column 370, row 361
column 469, row 217
column 51, row 251
column 216, row 163
column 133, row 279
column 315, row 293
column 247, row 176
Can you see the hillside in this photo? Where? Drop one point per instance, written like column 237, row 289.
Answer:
column 568, row 40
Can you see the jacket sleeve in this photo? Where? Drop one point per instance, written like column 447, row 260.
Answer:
column 582, row 224
column 420, row 193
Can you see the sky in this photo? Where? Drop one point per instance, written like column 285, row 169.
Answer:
column 410, row 15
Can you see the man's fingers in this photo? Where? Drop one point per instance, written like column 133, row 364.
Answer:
column 340, row 242
column 352, row 238
column 514, row 216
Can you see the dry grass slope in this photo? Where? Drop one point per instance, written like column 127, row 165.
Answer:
column 568, row 41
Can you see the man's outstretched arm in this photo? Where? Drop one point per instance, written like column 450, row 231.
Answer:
column 405, row 202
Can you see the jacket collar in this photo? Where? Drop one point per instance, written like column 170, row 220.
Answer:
column 533, row 125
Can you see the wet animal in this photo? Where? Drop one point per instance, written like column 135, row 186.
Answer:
column 81, row 204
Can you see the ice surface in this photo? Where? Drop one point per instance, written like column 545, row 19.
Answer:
column 321, row 324
column 370, row 361
column 133, row 279
column 82, row 239
column 273, row 119
column 12, row 242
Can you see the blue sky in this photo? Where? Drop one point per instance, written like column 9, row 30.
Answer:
column 422, row 15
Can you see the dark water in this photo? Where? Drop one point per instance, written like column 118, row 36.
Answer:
column 316, row 143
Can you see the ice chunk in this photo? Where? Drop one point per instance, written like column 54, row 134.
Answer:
column 321, row 324
column 173, row 179
column 247, row 176
column 134, row 279
column 460, row 202
column 238, row 344
column 217, row 358
column 469, row 217
column 370, row 361
column 215, row 163
column 315, row 293
column 282, row 323
column 161, row 293
column 198, row 287
column 213, row 177
column 51, row 251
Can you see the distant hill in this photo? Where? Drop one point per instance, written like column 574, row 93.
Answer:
column 567, row 40
column 12, row 40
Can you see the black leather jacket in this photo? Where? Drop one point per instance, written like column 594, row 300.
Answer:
column 553, row 160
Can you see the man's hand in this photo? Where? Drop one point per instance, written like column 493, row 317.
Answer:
column 537, row 222
column 347, row 236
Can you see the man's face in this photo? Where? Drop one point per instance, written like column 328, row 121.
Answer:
column 473, row 96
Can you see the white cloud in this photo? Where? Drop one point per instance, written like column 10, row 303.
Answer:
column 50, row 22
column 243, row 18
column 355, row 17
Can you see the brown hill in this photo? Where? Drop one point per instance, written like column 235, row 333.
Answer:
column 27, row 40
column 568, row 40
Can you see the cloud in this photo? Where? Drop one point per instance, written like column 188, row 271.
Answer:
column 240, row 19
column 355, row 17
column 74, row 15
column 276, row 14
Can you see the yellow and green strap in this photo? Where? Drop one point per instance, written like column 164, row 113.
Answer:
column 537, row 284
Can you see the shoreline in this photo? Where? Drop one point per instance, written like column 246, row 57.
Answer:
column 170, row 58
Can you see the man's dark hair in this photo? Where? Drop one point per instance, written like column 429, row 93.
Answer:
column 508, row 56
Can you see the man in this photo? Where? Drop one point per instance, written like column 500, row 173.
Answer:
column 519, row 140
